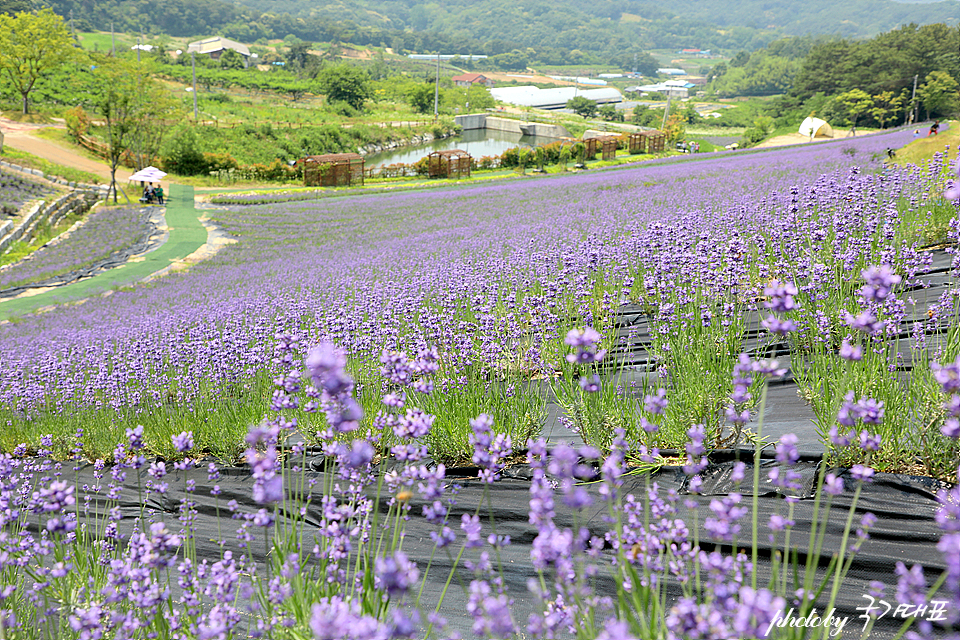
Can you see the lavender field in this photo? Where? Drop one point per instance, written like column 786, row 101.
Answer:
column 107, row 234
column 492, row 277
column 350, row 352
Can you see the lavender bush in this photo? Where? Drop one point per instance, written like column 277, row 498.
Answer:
column 107, row 233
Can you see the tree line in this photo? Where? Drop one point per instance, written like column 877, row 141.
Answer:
column 909, row 73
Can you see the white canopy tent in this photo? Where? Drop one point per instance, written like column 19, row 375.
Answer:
column 148, row 174
column 816, row 128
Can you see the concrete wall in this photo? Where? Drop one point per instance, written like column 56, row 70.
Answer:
column 544, row 130
column 484, row 121
column 472, row 121
column 504, row 124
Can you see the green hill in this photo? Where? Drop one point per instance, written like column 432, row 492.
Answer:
column 542, row 31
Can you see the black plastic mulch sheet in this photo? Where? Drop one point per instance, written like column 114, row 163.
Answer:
column 904, row 505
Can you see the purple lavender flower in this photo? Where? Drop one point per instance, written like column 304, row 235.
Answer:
column 780, row 296
column 833, row 485
column 590, row 384
column 396, row 574
column 358, row 455
column 880, row 282
column 183, row 442
column 850, row 352
column 948, row 376
column 866, row 322
column 862, row 473
column 135, row 438
column 336, row 619
column 911, row 584
column 779, row 327
column 656, row 404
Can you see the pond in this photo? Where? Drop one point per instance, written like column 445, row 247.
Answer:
column 476, row 142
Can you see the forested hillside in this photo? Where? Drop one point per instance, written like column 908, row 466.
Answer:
column 601, row 25
column 531, row 31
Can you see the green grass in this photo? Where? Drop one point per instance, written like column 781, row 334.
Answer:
column 186, row 236
column 101, row 40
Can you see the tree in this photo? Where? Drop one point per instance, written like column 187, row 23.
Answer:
column 740, row 60
column 855, row 103
column 582, row 106
column 133, row 107
column 610, row 113
column 345, row 83
column 421, row 98
column 938, row 94
column 478, row 97
column 675, row 128
column 30, row 45
column 230, row 59
column 886, row 105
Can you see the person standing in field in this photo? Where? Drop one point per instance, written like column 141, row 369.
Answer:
column 159, row 193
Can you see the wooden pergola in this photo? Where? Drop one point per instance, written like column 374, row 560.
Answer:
column 333, row 170
column 590, row 145
column 452, row 163
column 647, row 141
column 608, row 147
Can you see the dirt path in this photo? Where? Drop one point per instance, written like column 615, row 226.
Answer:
column 19, row 136
column 799, row 138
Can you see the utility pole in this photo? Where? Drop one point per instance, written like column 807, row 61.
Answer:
column 436, row 91
column 113, row 41
column 666, row 112
column 913, row 100
column 138, row 50
column 193, row 63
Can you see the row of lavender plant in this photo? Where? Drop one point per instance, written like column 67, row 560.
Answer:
column 492, row 277
column 17, row 190
column 107, row 232
column 334, row 565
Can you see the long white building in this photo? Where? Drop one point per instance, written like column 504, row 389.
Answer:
column 530, row 96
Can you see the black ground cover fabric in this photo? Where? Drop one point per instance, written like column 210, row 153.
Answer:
column 904, row 505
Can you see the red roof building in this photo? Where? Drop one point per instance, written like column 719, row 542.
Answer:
column 469, row 79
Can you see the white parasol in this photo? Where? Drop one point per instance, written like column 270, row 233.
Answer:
column 148, row 174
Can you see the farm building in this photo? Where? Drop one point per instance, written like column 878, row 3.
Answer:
column 530, row 96
column 470, row 79
column 672, row 88
column 214, row 47
column 333, row 170
column 452, row 163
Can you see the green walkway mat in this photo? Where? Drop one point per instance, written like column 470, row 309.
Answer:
column 186, row 236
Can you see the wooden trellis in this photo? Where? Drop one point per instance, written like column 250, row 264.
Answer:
column 333, row 170
column 608, row 147
column 647, row 142
column 591, row 148
column 452, row 163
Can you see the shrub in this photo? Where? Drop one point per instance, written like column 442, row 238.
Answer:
column 181, row 153
column 78, row 123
